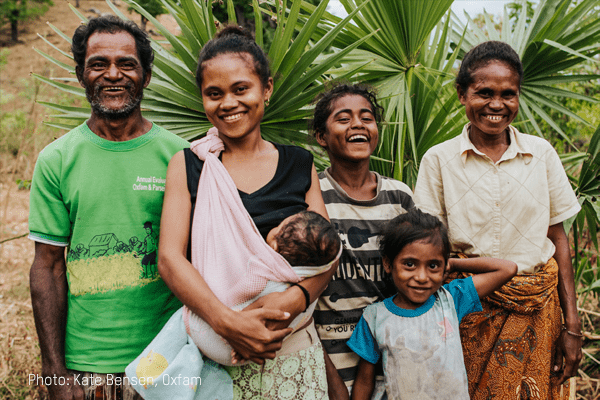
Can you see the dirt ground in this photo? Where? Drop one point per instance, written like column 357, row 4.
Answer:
column 19, row 354
column 19, row 350
column 23, row 59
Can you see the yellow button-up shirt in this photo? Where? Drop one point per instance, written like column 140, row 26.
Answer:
column 501, row 209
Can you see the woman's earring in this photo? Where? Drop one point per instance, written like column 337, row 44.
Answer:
column 267, row 102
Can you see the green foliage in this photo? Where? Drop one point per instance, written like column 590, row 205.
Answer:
column 172, row 99
column 4, row 52
column 15, row 11
column 152, row 7
column 409, row 61
column 245, row 16
column 550, row 42
column 11, row 126
column 587, row 223
column 23, row 184
column 18, row 127
column 515, row 9
column 580, row 134
column 411, row 57
column 22, row 10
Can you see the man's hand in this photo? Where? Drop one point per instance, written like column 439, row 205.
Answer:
column 64, row 387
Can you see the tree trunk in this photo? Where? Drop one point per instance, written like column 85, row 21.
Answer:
column 14, row 31
column 241, row 19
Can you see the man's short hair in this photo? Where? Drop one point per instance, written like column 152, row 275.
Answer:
column 111, row 24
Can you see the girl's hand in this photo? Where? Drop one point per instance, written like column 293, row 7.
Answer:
column 568, row 347
column 450, row 268
column 247, row 334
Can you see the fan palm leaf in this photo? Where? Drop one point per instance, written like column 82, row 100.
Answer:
column 409, row 61
column 411, row 57
column 556, row 39
column 173, row 100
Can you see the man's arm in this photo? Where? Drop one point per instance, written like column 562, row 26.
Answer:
column 48, row 284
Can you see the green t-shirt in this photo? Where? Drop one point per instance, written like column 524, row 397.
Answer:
column 103, row 200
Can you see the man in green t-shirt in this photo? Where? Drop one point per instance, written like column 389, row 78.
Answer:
column 95, row 192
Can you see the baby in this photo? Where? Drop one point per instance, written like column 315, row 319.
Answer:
column 306, row 238
column 307, row 241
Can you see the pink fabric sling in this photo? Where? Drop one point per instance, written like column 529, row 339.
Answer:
column 227, row 248
column 234, row 273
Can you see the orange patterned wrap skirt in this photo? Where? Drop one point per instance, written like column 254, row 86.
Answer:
column 509, row 347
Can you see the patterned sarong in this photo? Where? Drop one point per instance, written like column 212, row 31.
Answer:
column 509, row 347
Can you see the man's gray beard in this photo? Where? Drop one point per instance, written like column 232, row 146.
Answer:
column 108, row 113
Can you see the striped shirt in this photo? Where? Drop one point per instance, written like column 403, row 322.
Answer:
column 359, row 280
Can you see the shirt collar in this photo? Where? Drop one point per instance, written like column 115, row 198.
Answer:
column 517, row 146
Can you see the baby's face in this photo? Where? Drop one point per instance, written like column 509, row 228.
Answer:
column 274, row 233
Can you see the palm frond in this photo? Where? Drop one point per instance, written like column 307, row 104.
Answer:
column 556, row 38
column 172, row 99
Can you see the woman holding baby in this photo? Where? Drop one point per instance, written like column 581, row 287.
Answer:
column 274, row 182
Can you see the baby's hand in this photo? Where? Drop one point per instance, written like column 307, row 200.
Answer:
column 236, row 358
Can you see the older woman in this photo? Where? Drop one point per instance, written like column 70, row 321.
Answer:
column 505, row 194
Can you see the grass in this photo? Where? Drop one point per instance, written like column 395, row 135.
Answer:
column 19, row 349
column 3, row 57
column 21, row 122
column 23, row 137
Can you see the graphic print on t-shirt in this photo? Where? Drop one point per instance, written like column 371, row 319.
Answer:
column 361, row 258
column 413, row 366
column 108, row 263
column 357, row 237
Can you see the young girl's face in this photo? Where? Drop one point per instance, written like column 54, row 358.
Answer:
column 233, row 95
column 417, row 272
column 351, row 132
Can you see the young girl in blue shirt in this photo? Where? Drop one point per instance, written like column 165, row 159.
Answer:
column 416, row 330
